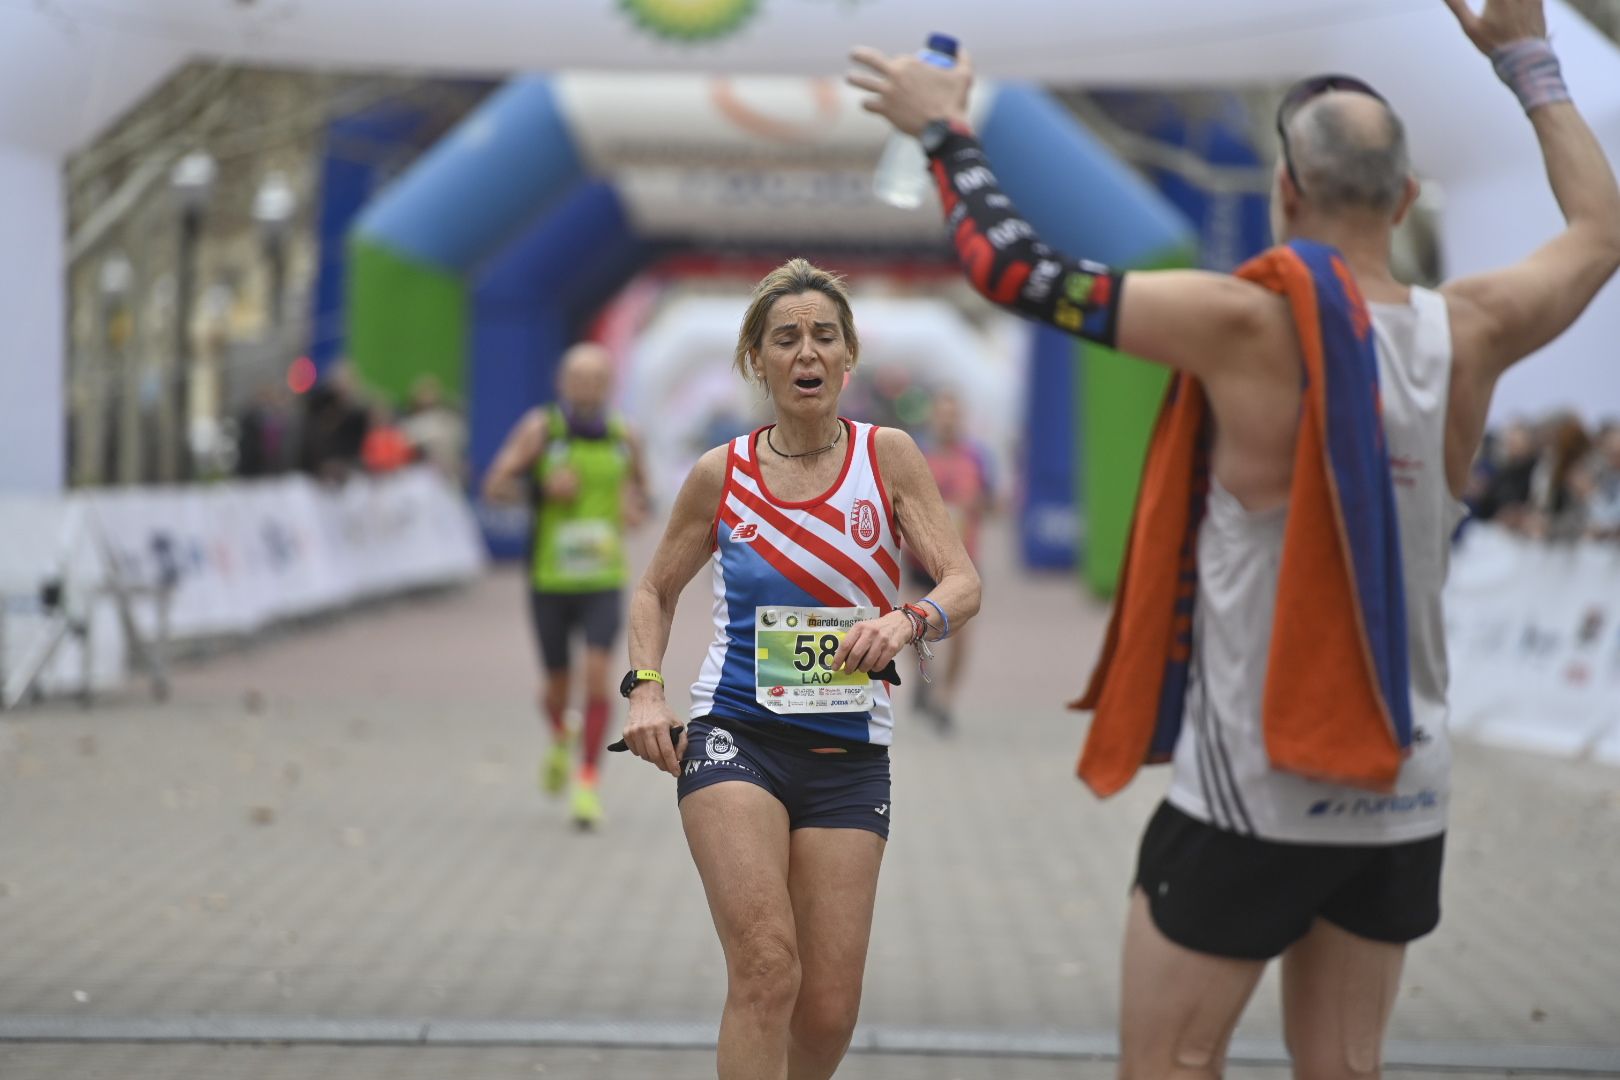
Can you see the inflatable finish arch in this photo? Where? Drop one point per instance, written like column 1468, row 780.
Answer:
column 481, row 264
column 69, row 67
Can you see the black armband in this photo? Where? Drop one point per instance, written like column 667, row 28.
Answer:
column 1006, row 261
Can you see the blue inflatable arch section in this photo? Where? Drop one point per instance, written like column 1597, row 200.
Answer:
column 505, row 209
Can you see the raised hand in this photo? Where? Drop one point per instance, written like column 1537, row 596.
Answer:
column 1500, row 22
column 908, row 91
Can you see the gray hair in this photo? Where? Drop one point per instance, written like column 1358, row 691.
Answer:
column 1346, row 163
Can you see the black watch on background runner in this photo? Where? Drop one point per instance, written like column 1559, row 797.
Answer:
column 636, row 676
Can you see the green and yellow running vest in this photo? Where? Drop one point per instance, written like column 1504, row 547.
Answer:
column 579, row 544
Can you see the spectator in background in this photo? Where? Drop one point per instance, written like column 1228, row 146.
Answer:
column 1505, row 495
column 436, row 430
column 961, row 469
column 385, row 447
column 264, row 434
column 1555, row 495
column 335, row 424
column 1603, row 498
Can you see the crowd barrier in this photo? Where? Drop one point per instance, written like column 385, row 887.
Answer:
column 1534, row 635
column 223, row 560
column 1533, row 628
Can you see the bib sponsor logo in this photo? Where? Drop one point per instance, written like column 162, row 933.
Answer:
column 744, row 533
column 719, row 745
column 777, row 691
column 863, row 523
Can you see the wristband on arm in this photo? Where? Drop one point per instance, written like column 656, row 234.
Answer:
column 1531, row 70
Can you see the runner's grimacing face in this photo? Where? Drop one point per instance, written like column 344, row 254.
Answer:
column 804, row 355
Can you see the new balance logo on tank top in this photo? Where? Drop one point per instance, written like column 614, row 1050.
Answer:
column 789, row 577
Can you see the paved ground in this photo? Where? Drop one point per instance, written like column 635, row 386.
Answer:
column 341, row 823
column 203, row 1062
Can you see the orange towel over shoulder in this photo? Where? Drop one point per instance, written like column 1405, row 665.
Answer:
column 1336, row 703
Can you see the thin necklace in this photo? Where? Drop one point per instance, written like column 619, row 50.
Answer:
column 839, row 434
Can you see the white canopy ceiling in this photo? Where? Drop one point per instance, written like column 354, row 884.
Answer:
column 68, row 66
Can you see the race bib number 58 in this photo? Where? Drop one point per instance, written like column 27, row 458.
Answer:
column 794, row 650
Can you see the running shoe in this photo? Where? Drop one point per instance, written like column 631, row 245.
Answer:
column 586, row 805
column 554, row 767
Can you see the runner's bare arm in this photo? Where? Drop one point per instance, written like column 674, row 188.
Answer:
column 1505, row 314
column 687, row 544
column 926, row 528
column 1502, row 316
column 1201, row 322
column 503, row 481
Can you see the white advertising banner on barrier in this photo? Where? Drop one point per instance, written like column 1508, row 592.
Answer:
column 238, row 556
column 245, row 555
column 1534, row 636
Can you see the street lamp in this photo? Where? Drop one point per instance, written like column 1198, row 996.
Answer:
column 273, row 207
column 192, row 182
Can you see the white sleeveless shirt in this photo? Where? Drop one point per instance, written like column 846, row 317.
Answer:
column 1221, row 774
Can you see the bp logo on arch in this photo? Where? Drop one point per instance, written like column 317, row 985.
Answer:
column 690, row 20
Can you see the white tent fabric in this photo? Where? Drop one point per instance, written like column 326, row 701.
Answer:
column 68, row 67
column 678, row 388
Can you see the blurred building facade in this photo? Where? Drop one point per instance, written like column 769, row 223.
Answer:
column 202, row 205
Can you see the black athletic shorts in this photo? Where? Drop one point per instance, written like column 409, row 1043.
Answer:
column 1217, row 892
column 824, row 783
column 557, row 616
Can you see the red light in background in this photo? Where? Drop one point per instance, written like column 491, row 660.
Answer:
column 301, row 375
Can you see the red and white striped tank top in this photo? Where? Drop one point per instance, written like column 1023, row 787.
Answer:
column 774, row 561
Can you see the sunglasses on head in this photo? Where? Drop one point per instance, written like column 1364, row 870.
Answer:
column 1305, row 90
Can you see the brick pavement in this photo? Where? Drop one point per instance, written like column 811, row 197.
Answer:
column 341, row 822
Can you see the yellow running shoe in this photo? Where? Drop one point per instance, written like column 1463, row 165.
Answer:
column 554, row 767
column 586, row 805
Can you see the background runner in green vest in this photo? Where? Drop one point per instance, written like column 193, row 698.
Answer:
column 580, row 465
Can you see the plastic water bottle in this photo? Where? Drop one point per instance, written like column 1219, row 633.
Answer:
column 902, row 179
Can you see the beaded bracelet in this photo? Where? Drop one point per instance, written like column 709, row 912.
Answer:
column 919, row 637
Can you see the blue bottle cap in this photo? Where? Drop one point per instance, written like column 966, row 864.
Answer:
column 943, row 43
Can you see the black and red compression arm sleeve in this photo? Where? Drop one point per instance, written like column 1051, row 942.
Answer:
column 1006, row 261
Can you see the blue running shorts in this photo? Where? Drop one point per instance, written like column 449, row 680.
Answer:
column 824, row 783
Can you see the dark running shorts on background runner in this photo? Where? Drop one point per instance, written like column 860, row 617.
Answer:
column 1217, row 892
column 557, row 615
column 847, row 790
